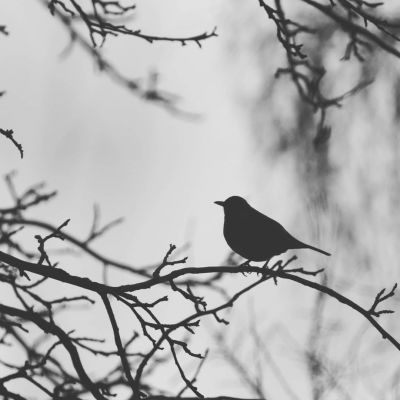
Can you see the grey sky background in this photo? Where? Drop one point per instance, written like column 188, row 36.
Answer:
column 95, row 142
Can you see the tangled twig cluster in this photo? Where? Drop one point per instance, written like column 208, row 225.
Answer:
column 137, row 355
column 355, row 18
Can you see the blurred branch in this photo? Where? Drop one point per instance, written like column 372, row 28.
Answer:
column 262, row 347
column 95, row 230
column 349, row 25
column 238, row 365
column 62, row 276
column 306, row 75
column 145, row 313
column 3, row 30
column 121, row 351
column 9, row 134
column 196, row 398
column 13, row 220
column 64, row 339
column 194, row 379
column 97, row 25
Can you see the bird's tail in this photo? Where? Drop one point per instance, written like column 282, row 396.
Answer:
column 316, row 249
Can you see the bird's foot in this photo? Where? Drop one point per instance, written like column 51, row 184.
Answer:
column 266, row 264
column 276, row 266
column 245, row 264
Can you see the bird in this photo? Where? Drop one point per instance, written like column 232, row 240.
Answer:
column 253, row 235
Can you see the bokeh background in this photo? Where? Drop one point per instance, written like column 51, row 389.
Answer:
column 95, row 142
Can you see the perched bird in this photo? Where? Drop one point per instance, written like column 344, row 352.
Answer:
column 255, row 236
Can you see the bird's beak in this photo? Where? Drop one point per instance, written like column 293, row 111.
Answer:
column 220, row 203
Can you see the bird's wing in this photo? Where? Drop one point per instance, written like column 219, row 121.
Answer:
column 273, row 231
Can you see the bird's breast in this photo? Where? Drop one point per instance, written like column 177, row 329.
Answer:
column 250, row 240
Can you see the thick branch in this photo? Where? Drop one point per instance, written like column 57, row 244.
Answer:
column 86, row 283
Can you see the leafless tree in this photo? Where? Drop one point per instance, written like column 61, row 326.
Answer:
column 324, row 47
column 30, row 320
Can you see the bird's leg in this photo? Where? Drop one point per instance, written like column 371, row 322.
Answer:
column 277, row 265
column 245, row 264
column 266, row 263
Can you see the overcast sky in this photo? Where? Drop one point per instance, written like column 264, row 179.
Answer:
column 94, row 141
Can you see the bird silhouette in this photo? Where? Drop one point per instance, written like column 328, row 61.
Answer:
column 253, row 235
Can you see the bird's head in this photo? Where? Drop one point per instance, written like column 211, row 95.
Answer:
column 233, row 204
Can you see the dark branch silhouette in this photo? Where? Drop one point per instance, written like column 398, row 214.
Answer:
column 134, row 359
